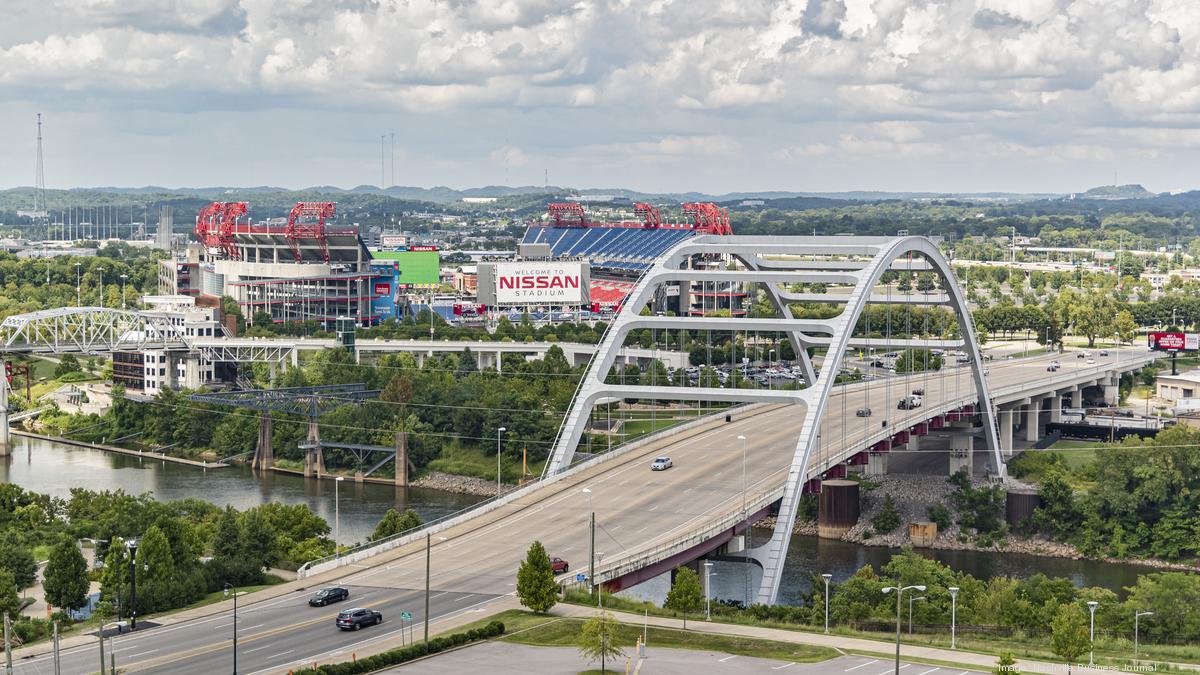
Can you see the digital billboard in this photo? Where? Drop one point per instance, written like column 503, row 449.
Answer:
column 414, row 269
column 543, row 282
column 1174, row 342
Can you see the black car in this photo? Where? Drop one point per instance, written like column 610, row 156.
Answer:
column 353, row 619
column 327, row 595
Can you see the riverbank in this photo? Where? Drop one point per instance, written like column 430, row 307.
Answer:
column 156, row 456
column 434, row 480
column 912, row 494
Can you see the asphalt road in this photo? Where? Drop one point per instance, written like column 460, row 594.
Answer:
column 273, row 636
column 635, row 509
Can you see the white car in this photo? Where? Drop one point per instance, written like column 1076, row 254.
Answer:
column 661, row 464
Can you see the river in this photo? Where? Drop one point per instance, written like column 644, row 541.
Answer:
column 52, row 468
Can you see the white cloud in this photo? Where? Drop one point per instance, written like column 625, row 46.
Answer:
column 508, row 155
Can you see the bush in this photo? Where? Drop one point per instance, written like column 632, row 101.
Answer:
column 888, row 517
column 405, row 654
column 939, row 514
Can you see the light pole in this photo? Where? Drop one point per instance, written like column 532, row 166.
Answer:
column 707, row 590
column 337, row 516
column 1136, row 616
column 592, row 545
column 1092, row 604
column 78, row 292
column 953, row 615
column 498, row 432
column 746, row 528
column 900, row 593
column 123, row 278
column 911, row 600
column 826, row 578
column 229, row 589
column 132, row 545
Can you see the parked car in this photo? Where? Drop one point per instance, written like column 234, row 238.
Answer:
column 327, row 595
column 863, row 412
column 559, row 566
column 353, row 619
column 661, row 464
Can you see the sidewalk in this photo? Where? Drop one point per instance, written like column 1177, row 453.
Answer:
column 842, row 643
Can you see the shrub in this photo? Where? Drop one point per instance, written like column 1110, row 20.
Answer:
column 888, row 517
column 405, row 654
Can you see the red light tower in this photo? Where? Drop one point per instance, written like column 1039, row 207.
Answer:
column 307, row 221
column 216, row 224
column 708, row 217
column 567, row 214
column 651, row 217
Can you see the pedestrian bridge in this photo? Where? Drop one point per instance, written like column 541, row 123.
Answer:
column 772, row 448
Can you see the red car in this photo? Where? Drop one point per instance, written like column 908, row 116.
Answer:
column 559, row 565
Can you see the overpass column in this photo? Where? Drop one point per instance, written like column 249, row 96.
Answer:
column 962, row 446
column 1032, row 413
column 1111, row 391
column 1056, row 405
column 1007, row 417
column 264, row 452
column 499, row 361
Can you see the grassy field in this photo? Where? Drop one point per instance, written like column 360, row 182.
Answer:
column 479, row 463
column 565, row 632
column 1078, row 454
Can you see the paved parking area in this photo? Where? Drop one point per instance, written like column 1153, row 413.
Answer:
column 503, row 658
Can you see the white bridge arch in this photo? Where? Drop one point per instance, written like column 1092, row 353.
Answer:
column 771, row 261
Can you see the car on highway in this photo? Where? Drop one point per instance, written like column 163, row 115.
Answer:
column 1083, row 355
column 1091, row 361
column 559, row 566
column 327, row 595
column 918, row 392
column 661, row 464
column 353, row 619
column 863, row 412
column 1103, row 352
column 1052, row 367
column 909, row 403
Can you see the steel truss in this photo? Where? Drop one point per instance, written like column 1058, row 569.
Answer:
column 89, row 330
column 773, row 262
column 308, row 401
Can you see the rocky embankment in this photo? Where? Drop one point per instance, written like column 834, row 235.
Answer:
column 468, row 485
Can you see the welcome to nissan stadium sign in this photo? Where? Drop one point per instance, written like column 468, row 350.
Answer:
column 541, row 282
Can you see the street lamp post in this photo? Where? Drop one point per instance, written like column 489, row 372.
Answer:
column 123, row 278
column 498, row 432
column 592, row 545
column 707, row 590
column 132, row 544
column 78, row 292
column 229, row 589
column 900, row 593
column 746, row 530
column 1092, row 604
column 337, row 516
column 826, row 578
column 1136, row 616
column 953, row 616
column 911, row 600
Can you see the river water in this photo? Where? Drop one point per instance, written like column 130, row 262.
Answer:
column 52, row 468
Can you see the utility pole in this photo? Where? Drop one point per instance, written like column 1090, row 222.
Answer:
column 428, row 546
column 57, row 664
column 8, row 667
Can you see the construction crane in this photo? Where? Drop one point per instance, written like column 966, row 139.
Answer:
column 567, row 214
column 708, row 217
column 651, row 217
column 307, row 221
column 216, row 224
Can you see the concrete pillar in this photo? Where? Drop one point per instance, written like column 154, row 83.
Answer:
column 1056, row 406
column 1032, row 412
column 264, row 452
column 314, row 459
column 499, row 362
column 191, row 372
column 962, row 447
column 5, row 436
column 1007, row 418
column 402, row 458
column 914, row 442
column 295, row 357
column 877, row 463
column 271, row 369
column 1111, row 394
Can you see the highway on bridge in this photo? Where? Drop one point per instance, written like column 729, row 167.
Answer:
column 636, row 510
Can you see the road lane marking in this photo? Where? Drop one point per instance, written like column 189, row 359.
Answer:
column 861, row 665
column 464, row 597
column 130, row 656
column 929, row 671
column 438, row 595
column 727, row 658
column 275, row 656
column 258, row 649
column 786, row 665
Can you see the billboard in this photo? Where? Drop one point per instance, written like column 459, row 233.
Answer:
column 414, row 269
column 383, row 300
column 393, row 240
column 1174, row 342
column 540, row 283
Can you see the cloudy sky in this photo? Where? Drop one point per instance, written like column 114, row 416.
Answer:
column 814, row 95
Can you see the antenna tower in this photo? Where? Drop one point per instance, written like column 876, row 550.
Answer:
column 39, row 187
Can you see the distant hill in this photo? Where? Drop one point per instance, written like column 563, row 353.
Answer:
column 1131, row 191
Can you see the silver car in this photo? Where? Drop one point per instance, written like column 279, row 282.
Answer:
column 661, row 464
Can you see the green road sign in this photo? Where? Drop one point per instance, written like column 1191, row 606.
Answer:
column 407, row 616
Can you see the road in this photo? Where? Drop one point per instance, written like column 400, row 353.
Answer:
column 635, row 509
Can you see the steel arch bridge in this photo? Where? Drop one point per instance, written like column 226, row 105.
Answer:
column 773, row 262
column 89, row 330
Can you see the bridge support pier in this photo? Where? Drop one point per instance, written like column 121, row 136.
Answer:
column 914, row 442
column 1032, row 414
column 1056, row 406
column 314, row 459
column 962, row 448
column 877, row 463
column 264, row 451
column 1007, row 419
column 1111, row 394
column 402, row 458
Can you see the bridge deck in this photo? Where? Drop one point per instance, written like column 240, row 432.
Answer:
column 638, row 510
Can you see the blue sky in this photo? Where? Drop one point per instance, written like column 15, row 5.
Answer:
column 657, row 95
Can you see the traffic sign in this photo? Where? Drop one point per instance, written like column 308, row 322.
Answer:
column 406, row 616
column 581, row 577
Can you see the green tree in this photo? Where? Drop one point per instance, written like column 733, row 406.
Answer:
column 686, row 595
column 114, row 582
column 1125, row 327
column 394, row 522
column 67, row 364
column 597, row 639
column 18, row 560
column 66, row 583
column 536, row 587
column 888, row 518
column 156, row 574
column 1069, row 633
column 10, row 602
column 917, row 360
column 1006, row 665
